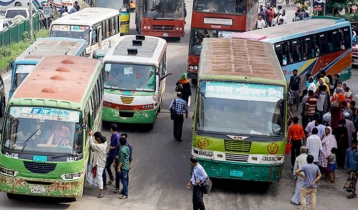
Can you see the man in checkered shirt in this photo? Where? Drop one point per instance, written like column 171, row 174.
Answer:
column 180, row 107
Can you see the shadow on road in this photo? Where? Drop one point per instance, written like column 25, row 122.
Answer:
column 34, row 201
column 241, row 187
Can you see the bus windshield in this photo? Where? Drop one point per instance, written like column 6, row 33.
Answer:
column 77, row 32
column 171, row 9
column 21, row 73
column 220, row 6
column 226, row 104
column 38, row 130
column 197, row 36
column 129, row 77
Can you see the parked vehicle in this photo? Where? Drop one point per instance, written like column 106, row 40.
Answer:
column 5, row 23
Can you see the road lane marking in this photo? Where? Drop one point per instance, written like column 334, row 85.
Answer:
column 7, row 77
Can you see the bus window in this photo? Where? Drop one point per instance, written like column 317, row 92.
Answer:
column 116, row 24
column 335, row 40
column 104, row 30
column 308, row 50
column 323, row 46
column 347, row 38
column 286, row 56
column 296, row 50
column 94, row 35
column 278, row 50
column 108, row 30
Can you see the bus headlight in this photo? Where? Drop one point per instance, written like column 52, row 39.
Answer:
column 73, row 176
column 195, row 67
column 191, row 67
column 155, row 98
column 148, row 27
column 8, row 172
column 145, row 27
column 180, row 28
column 177, row 28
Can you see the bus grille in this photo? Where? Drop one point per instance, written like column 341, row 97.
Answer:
column 40, row 168
column 163, row 28
column 236, row 157
column 237, row 146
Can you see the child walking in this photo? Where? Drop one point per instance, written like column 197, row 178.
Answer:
column 332, row 165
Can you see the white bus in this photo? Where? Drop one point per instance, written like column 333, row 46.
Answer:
column 99, row 27
column 134, row 79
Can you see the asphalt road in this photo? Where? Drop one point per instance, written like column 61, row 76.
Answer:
column 161, row 167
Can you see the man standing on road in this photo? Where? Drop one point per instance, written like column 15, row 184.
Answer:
column 311, row 177
column 314, row 145
column 118, row 176
column 180, row 107
column 300, row 161
column 112, row 151
column 123, row 166
column 351, row 166
column 295, row 137
column 295, row 87
column 198, row 176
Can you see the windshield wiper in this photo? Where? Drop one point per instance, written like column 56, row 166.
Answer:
column 27, row 140
column 74, row 154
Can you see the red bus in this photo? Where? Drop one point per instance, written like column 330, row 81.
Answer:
column 161, row 18
column 218, row 18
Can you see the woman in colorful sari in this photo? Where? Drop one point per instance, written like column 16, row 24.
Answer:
column 328, row 142
column 336, row 107
column 183, row 86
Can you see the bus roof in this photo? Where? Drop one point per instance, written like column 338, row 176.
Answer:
column 148, row 51
column 300, row 27
column 87, row 16
column 58, row 77
column 53, row 46
column 238, row 57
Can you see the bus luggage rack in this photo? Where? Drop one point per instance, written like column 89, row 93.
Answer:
column 237, row 145
column 40, row 168
column 236, row 157
column 163, row 28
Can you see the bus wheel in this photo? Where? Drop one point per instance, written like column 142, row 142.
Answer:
column 194, row 81
column 150, row 126
column 11, row 196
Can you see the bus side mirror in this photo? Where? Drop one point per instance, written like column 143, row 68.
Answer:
column 12, row 64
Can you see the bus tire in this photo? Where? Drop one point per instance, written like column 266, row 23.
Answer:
column 194, row 81
column 2, row 107
column 150, row 126
column 11, row 196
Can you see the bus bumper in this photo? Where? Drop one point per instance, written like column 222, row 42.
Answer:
column 130, row 117
column 242, row 171
column 192, row 75
column 41, row 187
column 164, row 34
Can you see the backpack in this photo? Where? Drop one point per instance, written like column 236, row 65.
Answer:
column 206, row 185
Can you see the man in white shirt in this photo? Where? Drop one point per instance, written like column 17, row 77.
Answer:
column 99, row 146
column 260, row 24
column 314, row 145
column 284, row 18
column 311, row 85
column 311, row 125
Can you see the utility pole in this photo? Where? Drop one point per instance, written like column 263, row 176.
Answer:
column 30, row 19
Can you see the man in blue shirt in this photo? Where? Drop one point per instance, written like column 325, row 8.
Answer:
column 351, row 166
column 73, row 10
column 198, row 177
column 295, row 88
column 112, row 150
column 311, row 177
column 180, row 107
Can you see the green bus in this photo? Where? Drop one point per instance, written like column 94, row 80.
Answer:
column 240, row 113
column 45, row 142
column 134, row 80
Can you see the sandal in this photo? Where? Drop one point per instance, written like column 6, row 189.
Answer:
column 100, row 195
column 110, row 182
column 123, row 197
column 352, row 196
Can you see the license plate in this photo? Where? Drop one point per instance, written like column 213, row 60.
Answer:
column 39, row 159
column 37, row 189
column 165, row 34
column 235, row 173
column 206, row 153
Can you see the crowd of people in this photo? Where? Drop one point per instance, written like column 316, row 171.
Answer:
column 270, row 16
column 328, row 132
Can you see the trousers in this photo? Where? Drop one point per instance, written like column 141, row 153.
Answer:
column 99, row 177
column 295, row 150
column 308, row 191
column 178, row 126
column 198, row 203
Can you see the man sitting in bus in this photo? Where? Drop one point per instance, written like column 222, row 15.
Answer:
column 60, row 135
column 213, row 6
